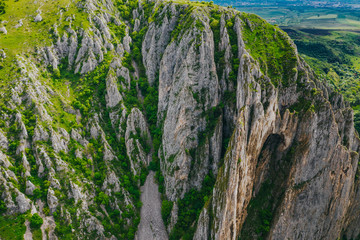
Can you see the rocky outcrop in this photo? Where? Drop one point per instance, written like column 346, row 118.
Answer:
column 52, row 201
column 3, row 30
column 137, row 138
column 189, row 90
column 4, row 143
column 38, row 18
column 156, row 40
column 113, row 96
column 30, row 187
column 22, row 202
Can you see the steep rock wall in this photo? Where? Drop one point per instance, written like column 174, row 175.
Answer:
column 217, row 102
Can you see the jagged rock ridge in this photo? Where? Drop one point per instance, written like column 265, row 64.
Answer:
column 245, row 140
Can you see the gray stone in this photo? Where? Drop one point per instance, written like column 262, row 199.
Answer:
column 113, row 96
column 30, row 187
column 22, row 202
column 52, row 200
column 3, row 30
column 38, row 18
column 20, row 23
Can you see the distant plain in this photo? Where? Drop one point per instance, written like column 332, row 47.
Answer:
column 328, row 39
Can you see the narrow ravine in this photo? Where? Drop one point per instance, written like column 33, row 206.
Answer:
column 151, row 224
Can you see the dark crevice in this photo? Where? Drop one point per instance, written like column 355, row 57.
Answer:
column 272, row 172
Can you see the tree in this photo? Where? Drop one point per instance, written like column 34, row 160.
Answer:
column 36, row 221
column 103, row 198
column 166, row 208
column 2, row 7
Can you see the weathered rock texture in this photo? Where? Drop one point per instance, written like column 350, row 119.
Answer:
column 192, row 91
column 151, row 226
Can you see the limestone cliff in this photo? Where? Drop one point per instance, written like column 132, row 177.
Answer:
column 168, row 119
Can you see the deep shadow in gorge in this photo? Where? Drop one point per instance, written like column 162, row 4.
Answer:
column 271, row 180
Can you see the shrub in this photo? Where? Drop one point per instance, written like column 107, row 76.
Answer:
column 56, row 73
column 36, row 221
column 2, row 207
column 37, row 193
column 102, row 198
column 189, row 209
column 46, row 211
column 166, row 208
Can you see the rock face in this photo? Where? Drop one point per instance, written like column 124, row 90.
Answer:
column 137, row 138
column 245, row 140
column 38, row 18
column 188, row 87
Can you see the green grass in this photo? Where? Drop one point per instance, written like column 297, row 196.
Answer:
column 326, row 16
column 25, row 38
column 31, row 34
column 192, row 3
column 356, row 62
column 7, row 72
column 37, row 235
column 12, row 228
column 269, row 45
column 335, row 57
column 61, row 118
column 351, row 23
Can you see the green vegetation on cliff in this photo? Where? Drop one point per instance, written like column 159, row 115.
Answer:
column 335, row 57
column 81, row 126
column 275, row 54
column 12, row 227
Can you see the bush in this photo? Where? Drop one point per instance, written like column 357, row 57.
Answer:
column 37, row 193
column 56, row 73
column 36, row 221
column 46, row 211
column 143, row 175
column 2, row 207
column 2, row 7
column 189, row 209
column 102, row 198
column 166, row 208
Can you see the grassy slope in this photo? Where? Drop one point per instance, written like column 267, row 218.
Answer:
column 24, row 39
column 12, row 228
column 31, row 34
column 335, row 57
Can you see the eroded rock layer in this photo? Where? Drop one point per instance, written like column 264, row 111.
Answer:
column 212, row 105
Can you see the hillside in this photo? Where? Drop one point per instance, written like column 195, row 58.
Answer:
column 167, row 120
column 327, row 37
